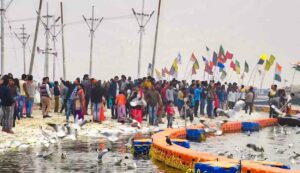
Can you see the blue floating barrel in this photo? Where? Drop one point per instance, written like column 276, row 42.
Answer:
column 181, row 142
column 142, row 146
column 196, row 135
column 250, row 126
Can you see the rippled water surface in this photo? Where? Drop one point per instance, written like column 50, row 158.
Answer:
column 82, row 157
column 268, row 138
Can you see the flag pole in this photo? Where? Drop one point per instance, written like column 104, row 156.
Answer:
column 293, row 79
column 186, row 69
column 262, row 80
column 255, row 69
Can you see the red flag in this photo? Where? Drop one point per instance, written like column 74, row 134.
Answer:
column 228, row 55
column 193, row 57
column 211, row 64
column 208, row 69
column 232, row 65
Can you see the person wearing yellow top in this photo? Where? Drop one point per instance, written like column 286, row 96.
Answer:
column 180, row 99
column 21, row 101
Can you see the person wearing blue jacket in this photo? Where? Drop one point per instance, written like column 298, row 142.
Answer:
column 7, row 105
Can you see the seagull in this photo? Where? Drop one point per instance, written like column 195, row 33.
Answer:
column 60, row 130
column 102, row 153
column 63, row 155
column 255, row 148
column 168, row 140
column 291, row 145
column 44, row 155
column 71, row 133
column 79, row 123
column 279, row 151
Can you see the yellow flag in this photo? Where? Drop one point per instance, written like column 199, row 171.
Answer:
column 158, row 75
column 264, row 56
column 268, row 65
column 272, row 60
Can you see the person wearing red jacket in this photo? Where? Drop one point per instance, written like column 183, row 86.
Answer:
column 170, row 113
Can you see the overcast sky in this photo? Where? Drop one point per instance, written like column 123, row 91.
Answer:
column 245, row 28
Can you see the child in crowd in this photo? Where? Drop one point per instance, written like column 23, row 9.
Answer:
column 121, row 106
column 170, row 114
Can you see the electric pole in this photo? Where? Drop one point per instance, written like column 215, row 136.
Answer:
column 63, row 40
column 54, row 35
column 92, row 28
column 23, row 37
column 3, row 10
column 47, row 49
column 155, row 41
column 35, row 37
column 142, row 26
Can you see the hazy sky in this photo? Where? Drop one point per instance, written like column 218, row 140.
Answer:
column 246, row 28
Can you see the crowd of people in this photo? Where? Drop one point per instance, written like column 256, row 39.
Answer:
column 127, row 99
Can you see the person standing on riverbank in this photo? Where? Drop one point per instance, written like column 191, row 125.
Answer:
column 56, row 96
column 121, row 106
column 7, row 105
column 45, row 97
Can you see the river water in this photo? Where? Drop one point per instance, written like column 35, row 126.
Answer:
column 82, row 157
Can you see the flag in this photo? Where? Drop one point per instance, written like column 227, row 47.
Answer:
column 215, row 58
column 232, row 65
column 205, row 60
column 221, row 65
column 237, row 67
column 278, row 70
column 228, row 55
column 267, row 65
column 223, row 75
column 211, row 64
column 207, row 49
column 158, row 75
column 270, row 62
column 272, row 59
column 174, row 67
column 165, row 72
column 296, row 67
column 262, row 59
column 221, row 56
column 195, row 67
column 149, row 69
column 179, row 58
column 208, row 69
column 246, row 70
column 193, row 57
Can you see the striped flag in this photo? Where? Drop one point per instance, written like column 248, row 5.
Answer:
column 174, row 68
column 195, row 67
column 262, row 59
column 208, row 69
column 278, row 70
column 237, row 67
column 221, row 56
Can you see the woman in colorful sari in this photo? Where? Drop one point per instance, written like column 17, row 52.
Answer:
column 79, row 101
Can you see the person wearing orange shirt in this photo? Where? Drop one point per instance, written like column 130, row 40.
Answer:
column 121, row 106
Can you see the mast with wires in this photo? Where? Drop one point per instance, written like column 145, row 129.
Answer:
column 142, row 26
column 47, row 50
column 3, row 10
column 54, row 35
column 23, row 37
column 92, row 28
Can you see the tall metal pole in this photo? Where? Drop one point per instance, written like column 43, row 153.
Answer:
column 54, row 47
column 141, row 40
column 47, row 43
column 2, row 37
column 92, row 28
column 23, row 38
column 142, row 26
column 92, row 40
column 35, row 37
column 155, row 41
column 63, row 40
